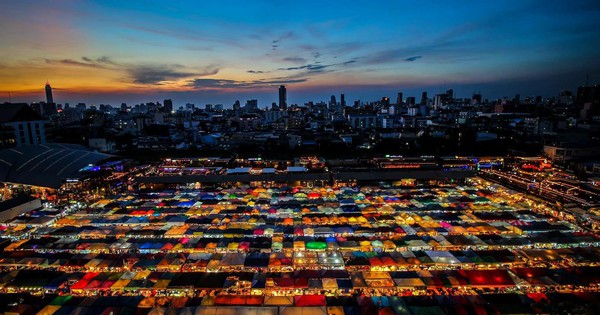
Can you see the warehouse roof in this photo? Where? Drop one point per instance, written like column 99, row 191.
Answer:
column 46, row 165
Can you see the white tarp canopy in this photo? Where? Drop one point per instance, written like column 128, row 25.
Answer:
column 442, row 257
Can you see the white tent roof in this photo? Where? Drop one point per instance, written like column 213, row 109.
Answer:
column 442, row 257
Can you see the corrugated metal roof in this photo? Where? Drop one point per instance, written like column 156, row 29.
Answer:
column 45, row 165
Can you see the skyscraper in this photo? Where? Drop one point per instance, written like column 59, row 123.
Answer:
column 237, row 107
column 385, row 101
column 342, row 101
column 332, row 102
column 282, row 97
column 168, row 105
column 251, row 105
column 399, row 99
column 49, row 99
column 424, row 98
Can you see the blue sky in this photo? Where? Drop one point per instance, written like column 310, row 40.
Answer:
column 218, row 52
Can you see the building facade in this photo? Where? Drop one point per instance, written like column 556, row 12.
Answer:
column 20, row 125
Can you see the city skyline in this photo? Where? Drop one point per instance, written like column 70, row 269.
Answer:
column 112, row 52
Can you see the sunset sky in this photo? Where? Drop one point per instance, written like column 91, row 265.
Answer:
column 221, row 51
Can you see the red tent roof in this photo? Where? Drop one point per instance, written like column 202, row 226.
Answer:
column 239, row 300
column 494, row 278
column 309, row 300
column 284, row 282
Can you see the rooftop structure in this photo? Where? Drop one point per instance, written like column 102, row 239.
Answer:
column 46, row 165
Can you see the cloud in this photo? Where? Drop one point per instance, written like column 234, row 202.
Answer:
column 308, row 67
column 459, row 43
column 295, row 59
column 281, row 81
column 413, row 58
column 257, row 71
column 446, row 50
column 287, row 35
column 317, row 67
column 105, row 60
column 155, row 74
column 213, row 83
column 184, row 34
column 139, row 73
column 102, row 62
column 202, row 83
column 275, row 42
column 70, row 62
column 307, row 47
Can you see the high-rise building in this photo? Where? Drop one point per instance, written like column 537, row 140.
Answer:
column 342, row 101
column 49, row 98
column 20, row 125
column 48, row 109
column 282, row 97
column 438, row 101
column 517, row 99
column 588, row 94
column 251, row 105
column 565, row 97
column 168, row 105
column 332, row 102
column 443, row 99
column 399, row 99
column 385, row 101
column 410, row 101
column 237, row 106
column 589, row 98
column 424, row 98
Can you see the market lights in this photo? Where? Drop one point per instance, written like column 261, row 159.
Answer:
column 306, row 243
